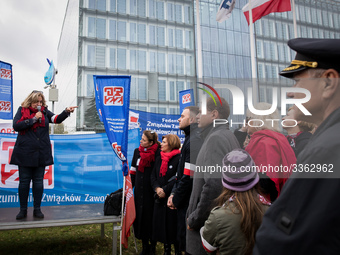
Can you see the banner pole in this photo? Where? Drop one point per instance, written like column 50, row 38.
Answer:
column 121, row 222
column 252, row 54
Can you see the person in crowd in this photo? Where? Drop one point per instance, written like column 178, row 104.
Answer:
column 141, row 168
column 163, row 178
column 32, row 150
column 180, row 194
column 298, row 135
column 231, row 226
column 305, row 219
column 242, row 133
column 218, row 141
column 269, row 148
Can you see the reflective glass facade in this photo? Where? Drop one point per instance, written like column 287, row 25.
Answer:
column 154, row 41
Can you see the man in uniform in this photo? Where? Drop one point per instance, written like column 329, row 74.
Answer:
column 305, row 219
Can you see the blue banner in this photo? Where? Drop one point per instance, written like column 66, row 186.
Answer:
column 113, row 94
column 85, row 170
column 6, row 91
column 162, row 124
column 186, row 98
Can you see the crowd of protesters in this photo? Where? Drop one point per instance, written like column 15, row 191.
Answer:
column 241, row 210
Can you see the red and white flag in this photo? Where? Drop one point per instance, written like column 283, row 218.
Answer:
column 262, row 8
column 129, row 211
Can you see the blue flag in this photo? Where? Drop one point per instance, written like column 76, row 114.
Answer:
column 113, row 93
column 186, row 98
column 6, row 91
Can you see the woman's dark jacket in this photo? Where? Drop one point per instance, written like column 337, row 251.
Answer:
column 164, row 219
column 144, row 200
column 33, row 148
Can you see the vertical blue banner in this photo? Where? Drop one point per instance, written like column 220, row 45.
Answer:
column 113, row 94
column 6, row 91
column 186, row 98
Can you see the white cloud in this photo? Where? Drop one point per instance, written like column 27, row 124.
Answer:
column 30, row 32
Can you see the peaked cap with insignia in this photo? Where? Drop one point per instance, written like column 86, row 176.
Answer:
column 313, row 53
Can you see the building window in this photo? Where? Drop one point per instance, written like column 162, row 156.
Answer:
column 89, row 86
column 161, row 62
column 91, row 25
column 113, row 6
column 152, row 35
column 112, row 58
column 162, row 90
column 141, row 33
column 100, row 56
column 121, row 6
column 162, row 110
column 133, row 32
column 141, row 8
column 133, row 7
column 142, row 89
column 133, row 61
column 90, row 55
column 160, row 10
column 170, row 16
column 179, row 64
column 133, row 89
column 179, row 87
column 142, row 60
column 121, row 58
column 153, row 61
column 121, row 31
column 113, row 30
column 188, row 39
column 161, row 36
column 101, row 28
column 171, row 37
column 178, row 13
column 179, row 38
column 187, row 15
column 153, row 109
column 101, row 5
column 172, row 63
column 172, row 91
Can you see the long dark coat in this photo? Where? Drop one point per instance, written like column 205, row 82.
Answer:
column 144, row 200
column 33, row 148
column 164, row 219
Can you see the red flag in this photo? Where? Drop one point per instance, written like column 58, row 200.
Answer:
column 262, row 8
column 129, row 211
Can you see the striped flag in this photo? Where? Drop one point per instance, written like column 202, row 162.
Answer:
column 262, row 8
column 225, row 9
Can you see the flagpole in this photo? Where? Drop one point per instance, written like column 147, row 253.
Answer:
column 252, row 55
column 122, row 219
column 294, row 18
column 199, row 43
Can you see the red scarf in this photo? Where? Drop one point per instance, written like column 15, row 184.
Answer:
column 147, row 156
column 166, row 156
column 26, row 114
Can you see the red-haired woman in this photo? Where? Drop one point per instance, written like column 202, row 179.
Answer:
column 162, row 180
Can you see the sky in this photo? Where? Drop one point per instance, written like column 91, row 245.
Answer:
column 30, row 32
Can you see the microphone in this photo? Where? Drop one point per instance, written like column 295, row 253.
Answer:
column 39, row 110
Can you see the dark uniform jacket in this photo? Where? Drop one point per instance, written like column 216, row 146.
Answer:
column 33, row 148
column 305, row 219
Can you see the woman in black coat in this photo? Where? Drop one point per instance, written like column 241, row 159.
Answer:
column 141, row 167
column 32, row 150
column 163, row 179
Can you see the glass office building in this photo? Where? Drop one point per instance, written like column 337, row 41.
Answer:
column 154, row 41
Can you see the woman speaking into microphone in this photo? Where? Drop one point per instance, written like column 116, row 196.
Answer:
column 32, row 150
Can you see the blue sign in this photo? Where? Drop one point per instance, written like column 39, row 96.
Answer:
column 113, row 94
column 162, row 124
column 85, row 170
column 6, row 91
column 186, row 98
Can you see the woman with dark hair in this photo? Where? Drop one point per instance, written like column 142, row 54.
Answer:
column 32, row 150
column 232, row 225
column 163, row 179
column 141, row 168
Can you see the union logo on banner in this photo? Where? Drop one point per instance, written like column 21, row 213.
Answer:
column 5, row 74
column 118, row 150
column 114, row 96
column 186, row 98
column 9, row 174
column 5, row 106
